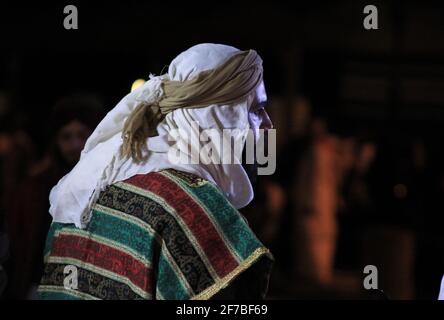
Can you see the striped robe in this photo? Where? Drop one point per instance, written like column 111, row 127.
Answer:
column 161, row 235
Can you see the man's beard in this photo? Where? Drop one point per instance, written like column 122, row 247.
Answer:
column 250, row 168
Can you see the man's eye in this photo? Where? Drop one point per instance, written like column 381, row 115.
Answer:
column 259, row 111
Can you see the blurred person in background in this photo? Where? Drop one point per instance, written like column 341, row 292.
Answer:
column 315, row 196
column 17, row 151
column 17, row 155
column 387, row 197
column 356, row 203
column 73, row 119
column 275, row 218
column 302, row 201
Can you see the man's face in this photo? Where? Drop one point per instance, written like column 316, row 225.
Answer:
column 71, row 139
column 258, row 119
column 257, row 116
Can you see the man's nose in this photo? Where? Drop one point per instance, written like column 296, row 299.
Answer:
column 266, row 121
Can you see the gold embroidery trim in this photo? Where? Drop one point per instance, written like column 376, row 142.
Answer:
column 220, row 284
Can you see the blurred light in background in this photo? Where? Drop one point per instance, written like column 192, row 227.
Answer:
column 137, row 83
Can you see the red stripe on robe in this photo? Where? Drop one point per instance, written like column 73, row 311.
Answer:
column 102, row 256
column 194, row 216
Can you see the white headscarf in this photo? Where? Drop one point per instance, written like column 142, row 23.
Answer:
column 100, row 166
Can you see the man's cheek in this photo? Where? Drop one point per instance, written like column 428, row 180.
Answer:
column 255, row 121
column 254, row 127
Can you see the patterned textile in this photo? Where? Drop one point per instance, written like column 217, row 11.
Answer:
column 161, row 235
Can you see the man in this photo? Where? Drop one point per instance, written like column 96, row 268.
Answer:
column 132, row 222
